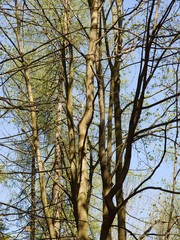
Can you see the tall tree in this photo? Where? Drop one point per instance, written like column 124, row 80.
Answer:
column 90, row 93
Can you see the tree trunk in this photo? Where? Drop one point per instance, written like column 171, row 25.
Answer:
column 84, row 124
column 121, row 215
column 33, row 198
column 104, row 163
column 56, row 191
column 34, row 127
column 116, row 78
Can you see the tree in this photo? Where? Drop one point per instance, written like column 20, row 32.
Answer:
column 91, row 91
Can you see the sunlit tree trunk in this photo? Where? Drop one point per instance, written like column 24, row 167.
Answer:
column 174, row 180
column 34, row 126
column 33, row 198
column 56, row 191
column 84, row 124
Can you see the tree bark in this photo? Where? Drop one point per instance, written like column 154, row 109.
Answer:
column 33, row 198
column 84, row 124
column 34, row 126
column 56, row 191
column 105, row 168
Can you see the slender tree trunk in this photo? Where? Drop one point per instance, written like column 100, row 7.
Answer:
column 84, row 124
column 117, row 112
column 56, row 192
column 170, row 219
column 33, row 198
column 114, row 104
column 68, row 74
column 121, row 217
column 105, row 167
column 107, row 223
column 38, row 158
column 34, row 126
